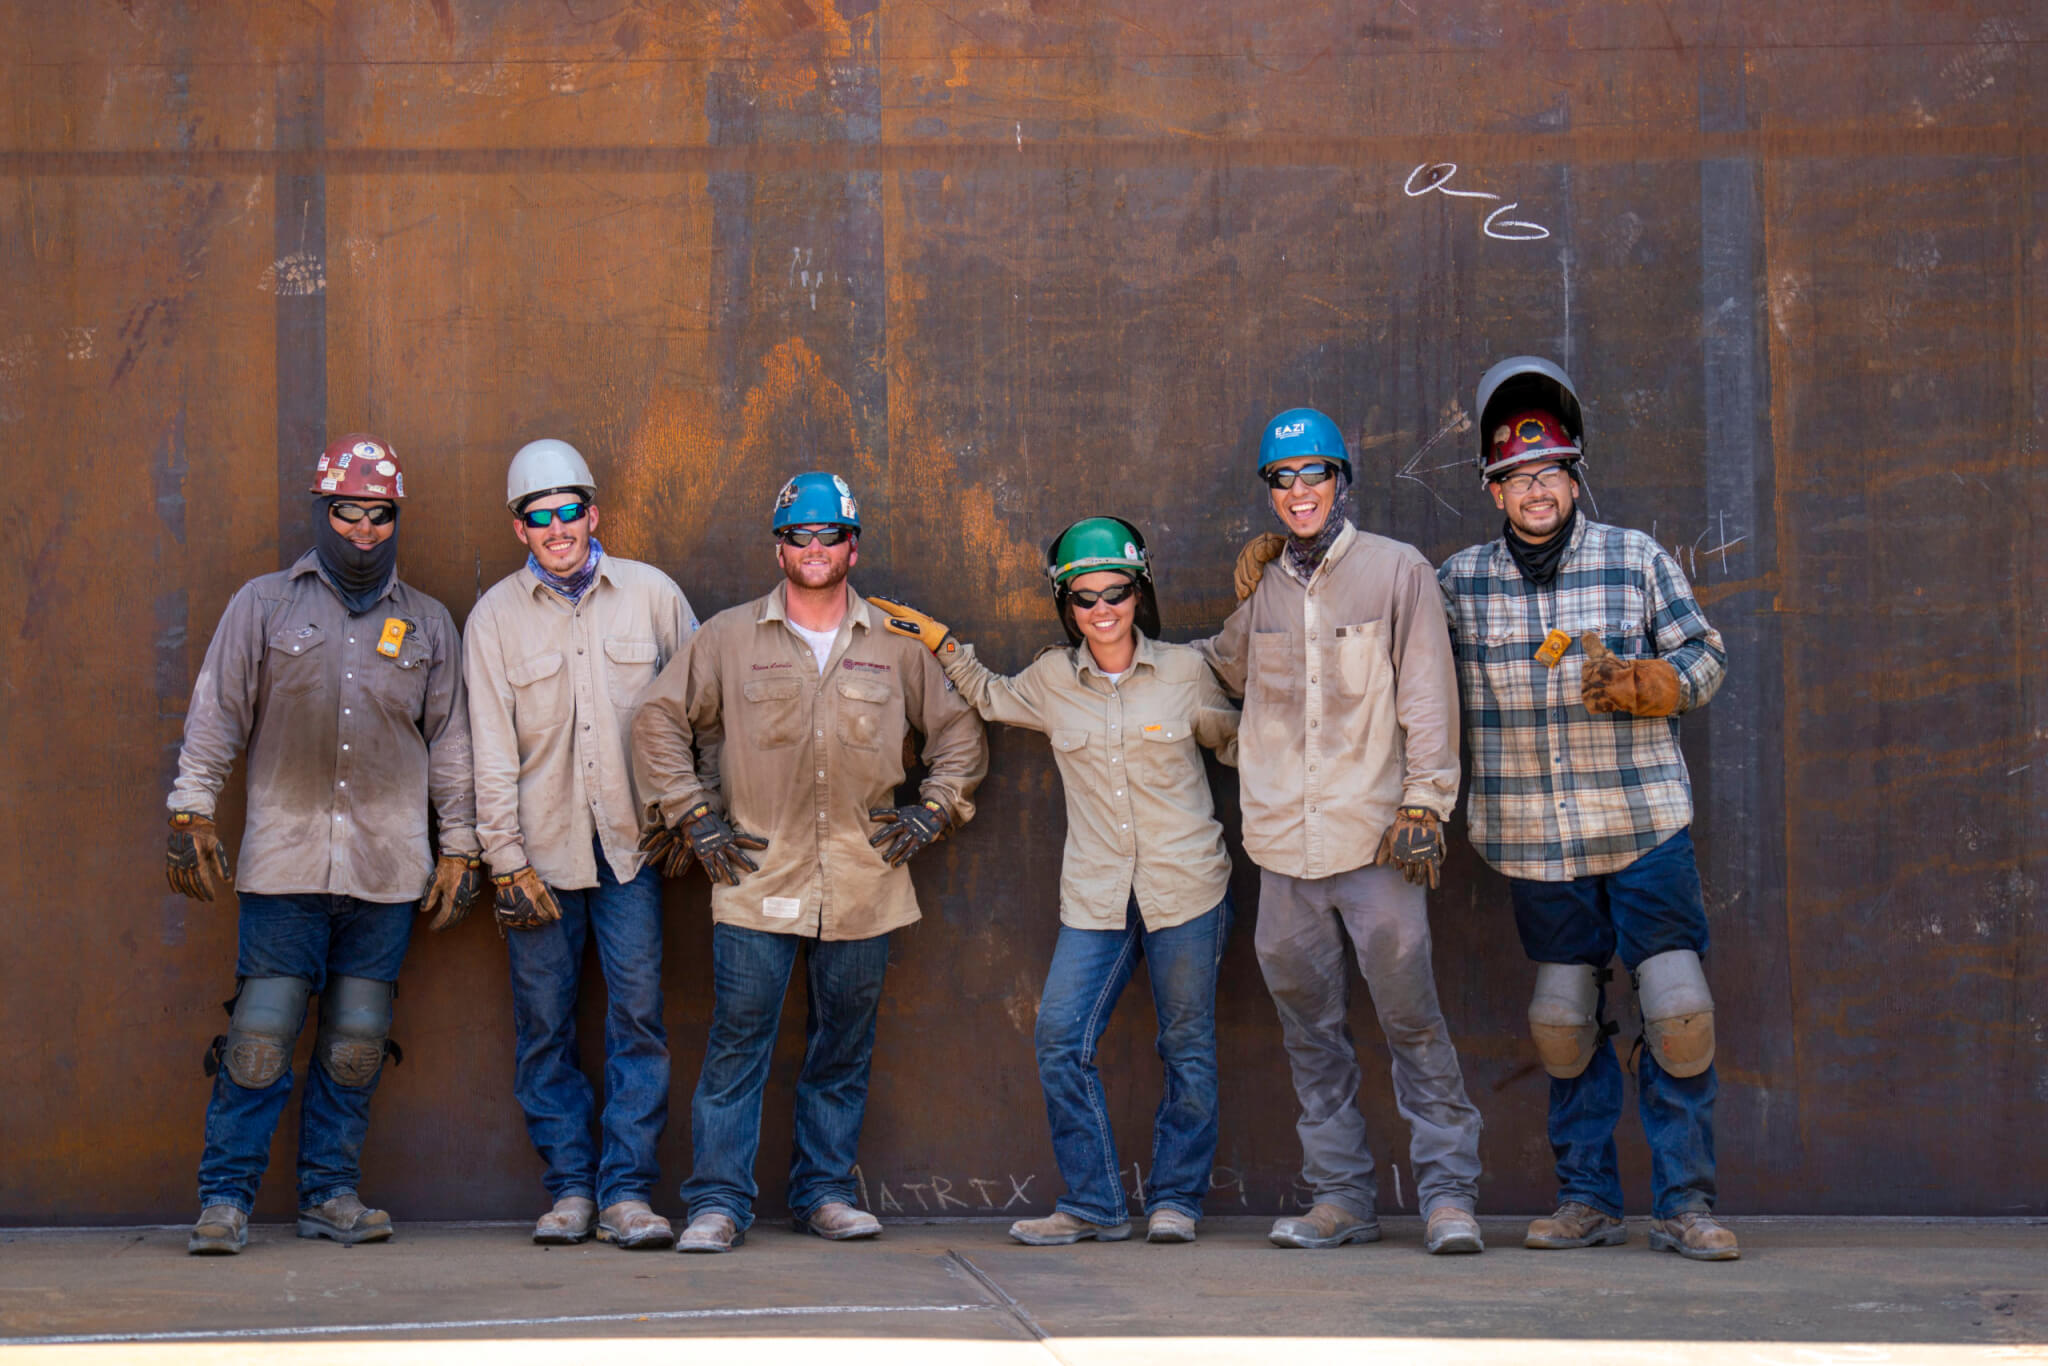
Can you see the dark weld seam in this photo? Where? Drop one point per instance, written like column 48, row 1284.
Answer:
column 987, row 1282
column 299, row 241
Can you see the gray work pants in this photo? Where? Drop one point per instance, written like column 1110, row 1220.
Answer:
column 1301, row 952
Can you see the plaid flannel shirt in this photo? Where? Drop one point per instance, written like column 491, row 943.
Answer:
column 1557, row 792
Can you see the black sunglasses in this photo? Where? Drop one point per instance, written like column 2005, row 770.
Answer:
column 380, row 514
column 544, row 517
column 799, row 537
column 1114, row 596
column 1310, row 475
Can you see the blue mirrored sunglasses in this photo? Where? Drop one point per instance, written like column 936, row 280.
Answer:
column 543, row 517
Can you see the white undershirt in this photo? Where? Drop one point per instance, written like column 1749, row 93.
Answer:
column 821, row 643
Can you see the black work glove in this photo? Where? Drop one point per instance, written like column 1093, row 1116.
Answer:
column 524, row 901
column 668, row 849
column 1415, row 844
column 457, row 882
column 906, row 829
column 194, row 863
column 718, row 846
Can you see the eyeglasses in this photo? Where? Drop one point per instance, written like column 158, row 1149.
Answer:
column 1310, row 475
column 1556, row 477
column 801, row 537
column 1114, row 596
column 380, row 514
column 545, row 517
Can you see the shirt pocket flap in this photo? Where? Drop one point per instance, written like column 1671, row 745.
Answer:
column 296, row 640
column 1067, row 741
column 414, row 652
column 533, row 670
column 864, row 690
column 631, row 651
column 773, row 689
column 1165, row 732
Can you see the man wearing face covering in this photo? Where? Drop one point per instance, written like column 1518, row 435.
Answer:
column 1348, row 756
column 345, row 684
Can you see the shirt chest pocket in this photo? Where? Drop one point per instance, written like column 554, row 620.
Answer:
column 1272, row 666
column 1167, row 745
column 400, row 681
column 774, row 712
column 296, row 661
column 540, row 693
column 629, row 668
column 866, row 718
column 1362, row 663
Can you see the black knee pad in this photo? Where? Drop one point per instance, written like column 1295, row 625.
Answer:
column 355, row 1024
column 263, row 1026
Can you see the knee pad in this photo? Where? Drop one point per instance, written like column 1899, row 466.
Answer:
column 1678, row 1012
column 355, row 1018
column 262, row 1027
column 1564, row 1016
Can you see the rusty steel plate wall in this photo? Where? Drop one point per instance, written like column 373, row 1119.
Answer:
column 1004, row 264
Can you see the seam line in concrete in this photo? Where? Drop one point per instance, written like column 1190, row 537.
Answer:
column 1005, row 1301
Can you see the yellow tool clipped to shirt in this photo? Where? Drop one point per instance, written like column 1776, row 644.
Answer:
column 393, row 637
column 1552, row 649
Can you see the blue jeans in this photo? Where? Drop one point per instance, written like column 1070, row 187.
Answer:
column 548, row 1078
column 1650, row 907
column 1090, row 969
column 311, row 936
column 750, row 971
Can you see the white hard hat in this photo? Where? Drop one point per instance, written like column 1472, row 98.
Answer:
column 543, row 465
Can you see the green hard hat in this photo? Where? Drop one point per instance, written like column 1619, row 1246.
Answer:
column 1096, row 543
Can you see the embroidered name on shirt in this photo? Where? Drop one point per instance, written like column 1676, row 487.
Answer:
column 778, row 664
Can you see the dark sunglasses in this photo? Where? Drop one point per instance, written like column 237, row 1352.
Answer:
column 798, row 537
column 1310, row 475
column 1115, row 597
column 543, row 517
column 382, row 514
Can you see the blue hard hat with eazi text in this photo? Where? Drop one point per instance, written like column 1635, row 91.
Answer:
column 816, row 499
column 1298, row 432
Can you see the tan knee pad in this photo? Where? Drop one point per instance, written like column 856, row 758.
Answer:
column 1562, row 1017
column 1678, row 1012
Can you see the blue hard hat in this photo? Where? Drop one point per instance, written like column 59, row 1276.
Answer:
column 1298, row 432
column 816, row 499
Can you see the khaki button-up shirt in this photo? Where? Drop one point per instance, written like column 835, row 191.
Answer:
column 1350, row 704
column 346, row 745
column 1139, row 813
column 804, row 757
column 552, row 692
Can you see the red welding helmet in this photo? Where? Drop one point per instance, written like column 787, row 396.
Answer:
column 359, row 465
column 1530, row 435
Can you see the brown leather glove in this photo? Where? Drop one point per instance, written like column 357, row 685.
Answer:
column 194, row 863
column 524, row 901
column 1414, row 843
column 458, row 880
column 668, row 849
column 1640, row 687
column 1260, row 551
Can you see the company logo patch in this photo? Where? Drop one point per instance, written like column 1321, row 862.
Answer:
column 1281, row 433
column 868, row 665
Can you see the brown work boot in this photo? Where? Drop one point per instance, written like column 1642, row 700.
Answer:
column 1452, row 1230
column 1575, row 1224
column 346, row 1220
column 712, row 1231
column 1325, row 1225
column 567, row 1222
column 1060, row 1228
column 1169, row 1225
column 1694, row 1233
column 631, row 1224
column 222, row 1231
column 839, row 1221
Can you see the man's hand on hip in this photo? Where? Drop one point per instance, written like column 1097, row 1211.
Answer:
column 720, row 847
column 906, row 829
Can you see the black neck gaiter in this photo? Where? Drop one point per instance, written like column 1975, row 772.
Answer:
column 358, row 576
column 1539, row 563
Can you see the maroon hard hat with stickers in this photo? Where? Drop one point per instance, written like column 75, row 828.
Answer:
column 359, row 465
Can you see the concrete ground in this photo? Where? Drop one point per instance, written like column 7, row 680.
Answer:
column 1807, row 1292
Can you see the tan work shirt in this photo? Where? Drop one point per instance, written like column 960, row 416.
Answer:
column 552, row 691
column 804, row 757
column 1139, row 813
column 346, row 745
column 1350, row 704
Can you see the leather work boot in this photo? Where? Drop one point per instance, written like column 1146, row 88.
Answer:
column 1696, row 1234
column 1169, row 1225
column 1060, row 1228
column 346, row 1220
column 1452, row 1230
column 631, row 1224
column 1576, row 1225
column 839, row 1221
column 568, row 1222
column 222, row 1231
column 1324, row 1225
column 711, row 1231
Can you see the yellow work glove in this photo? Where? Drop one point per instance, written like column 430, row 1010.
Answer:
column 904, row 620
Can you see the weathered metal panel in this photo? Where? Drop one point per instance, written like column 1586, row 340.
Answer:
column 1003, row 265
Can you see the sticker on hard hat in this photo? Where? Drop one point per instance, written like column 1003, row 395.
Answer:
column 1130, row 550
column 386, row 468
column 341, row 461
column 369, row 450
column 840, row 484
column 376, row 488
column 847, row 507
column 1291, row 429
column 1529, row 430
column 1501, row 437
column 322, row 463
column 787, row 496
column 330, row 483
column 401, row 486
